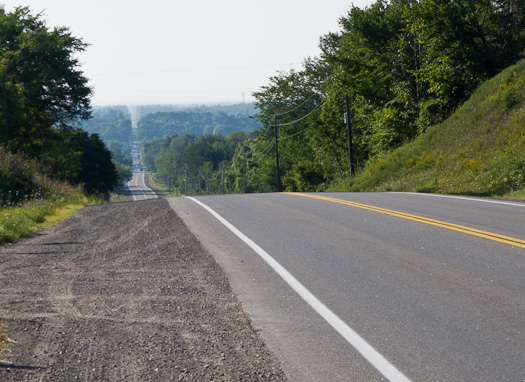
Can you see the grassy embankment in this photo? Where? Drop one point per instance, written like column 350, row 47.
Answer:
column 479, row 150
column 159, row 186
column 30, row 200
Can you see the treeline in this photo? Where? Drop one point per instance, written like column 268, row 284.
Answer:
column 113, row 125
column 403, row 64
column 232, row 109
column 197, row 164
column 192, row 122
column 44, row 95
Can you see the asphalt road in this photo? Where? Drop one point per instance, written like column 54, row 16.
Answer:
column 425, row 288
column 138, row 188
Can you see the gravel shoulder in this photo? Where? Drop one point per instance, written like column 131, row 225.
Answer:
column 124, row 292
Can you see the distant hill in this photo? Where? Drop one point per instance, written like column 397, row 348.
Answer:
column 197, row 121
column 479, row 150
column 112, row 123
column 233, row 109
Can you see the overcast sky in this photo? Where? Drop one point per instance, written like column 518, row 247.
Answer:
column 190, row 51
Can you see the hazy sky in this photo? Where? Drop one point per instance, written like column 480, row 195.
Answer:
column 190, row 51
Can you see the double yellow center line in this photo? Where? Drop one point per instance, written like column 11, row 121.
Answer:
column 421, row 219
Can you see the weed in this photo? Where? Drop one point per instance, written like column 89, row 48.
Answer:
column 5, row 341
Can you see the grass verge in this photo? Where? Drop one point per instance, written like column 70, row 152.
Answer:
column 24, row 218
column 161, row 187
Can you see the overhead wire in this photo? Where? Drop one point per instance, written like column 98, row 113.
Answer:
column 303, row 117
column 295, row 108
column 195, row 69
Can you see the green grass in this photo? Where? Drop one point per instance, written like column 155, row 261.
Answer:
column 30, row 200
column 25, row 218
column 479, row 150
column 162, row 187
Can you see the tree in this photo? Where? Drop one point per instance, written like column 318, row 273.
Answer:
column 42, row 86
column 294, row 100
column 97, row 171
column 82, row 158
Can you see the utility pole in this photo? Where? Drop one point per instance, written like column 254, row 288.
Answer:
column 222, row 175
column 176, row 179
column 5, row 112
column 277, row 155
column 185, row 179
column 349, row 133
column 244, row 170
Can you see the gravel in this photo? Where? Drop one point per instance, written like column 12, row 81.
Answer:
column 124, row 292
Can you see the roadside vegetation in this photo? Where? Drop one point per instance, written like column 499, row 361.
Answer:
column 45, row 95
column 30, row 200
column 479, row 150
column 49, row 167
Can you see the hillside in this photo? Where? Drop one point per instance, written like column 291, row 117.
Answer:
column 159, row 125
column 479, row 150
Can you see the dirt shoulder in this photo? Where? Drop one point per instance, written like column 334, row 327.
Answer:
column 124, row 292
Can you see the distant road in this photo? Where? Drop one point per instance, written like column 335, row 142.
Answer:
column 138, row 189
column 137, row 186
column 366, row 286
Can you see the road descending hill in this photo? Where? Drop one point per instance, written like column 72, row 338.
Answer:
column 124, row 292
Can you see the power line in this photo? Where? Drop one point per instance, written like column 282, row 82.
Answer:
column 293, row 135
column 195, row 69
column 168, row 91
column 295, row 108
column 300, row 119
column 261, row 139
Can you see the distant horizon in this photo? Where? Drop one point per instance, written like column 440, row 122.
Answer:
column 189, row 52
column 213, row 103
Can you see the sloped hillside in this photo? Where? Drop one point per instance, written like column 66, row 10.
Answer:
column 479, row 150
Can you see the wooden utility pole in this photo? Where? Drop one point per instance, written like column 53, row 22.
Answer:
column 222, row 176
column 277, row 155
column 349, row 133
column 244, row 170
column 5, row 113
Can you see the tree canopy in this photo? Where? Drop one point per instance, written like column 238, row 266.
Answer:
column 403, row 64
column 44, row 96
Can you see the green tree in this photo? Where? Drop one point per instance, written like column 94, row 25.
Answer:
column 82, row 158
column 98, row 174
column 124, row 172
column 293, row 100
column 43, row 88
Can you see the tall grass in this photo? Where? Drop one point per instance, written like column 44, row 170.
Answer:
column 27, row 196
column 479, row 150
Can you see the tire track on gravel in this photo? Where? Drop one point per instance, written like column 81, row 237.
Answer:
column 124, row 292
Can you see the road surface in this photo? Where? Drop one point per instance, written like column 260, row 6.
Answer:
column 138, row 188
column 375, row 286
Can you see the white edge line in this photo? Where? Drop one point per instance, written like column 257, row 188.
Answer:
column 377, row 360
column 462, row 198
column 133, row 198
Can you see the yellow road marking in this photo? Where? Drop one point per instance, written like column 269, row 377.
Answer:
column 421, row 219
